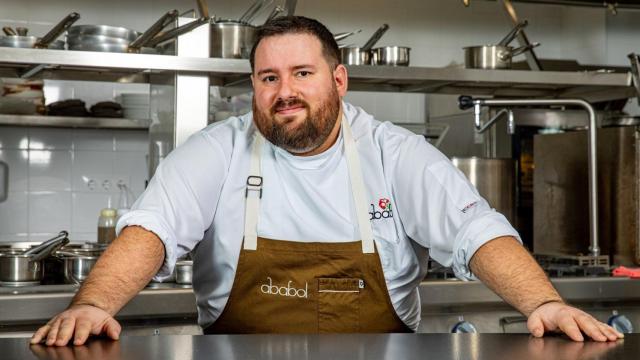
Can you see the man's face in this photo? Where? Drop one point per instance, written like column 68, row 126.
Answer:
column 297, row 94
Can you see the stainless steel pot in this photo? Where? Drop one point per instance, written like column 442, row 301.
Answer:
column 47, row 41
column 492, row 56
column 354, row 56
column 494, row 179
column 19, row 268
column 351, row 55
column 232, row 39
column 391, row 56
column 184, row 272
column 76, row 267
column 102, row 30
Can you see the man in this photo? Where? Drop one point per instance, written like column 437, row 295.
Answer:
column 310, row 216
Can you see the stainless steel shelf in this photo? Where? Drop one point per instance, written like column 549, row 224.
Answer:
column 592, row 86
column 73, row 122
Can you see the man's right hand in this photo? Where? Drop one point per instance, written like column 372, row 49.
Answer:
column 77, row 322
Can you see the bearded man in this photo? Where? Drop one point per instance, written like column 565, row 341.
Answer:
column 307, row 215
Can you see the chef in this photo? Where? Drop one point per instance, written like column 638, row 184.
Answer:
column 308, row 215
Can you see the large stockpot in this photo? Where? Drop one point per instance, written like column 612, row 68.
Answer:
column 494, row 179
column 231, row 39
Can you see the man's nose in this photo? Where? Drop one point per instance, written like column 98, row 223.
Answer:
column 286, row 88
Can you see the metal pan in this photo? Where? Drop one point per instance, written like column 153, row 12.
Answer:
column 47, row 41
column 232, row 39
column 350, row 55
column 492, row 56
column 391, row 56
column 103, row 30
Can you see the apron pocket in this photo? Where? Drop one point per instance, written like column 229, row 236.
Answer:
column 338, row 305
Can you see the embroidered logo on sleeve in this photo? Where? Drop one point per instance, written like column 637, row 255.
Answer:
column 383, row 211
column 468, row 207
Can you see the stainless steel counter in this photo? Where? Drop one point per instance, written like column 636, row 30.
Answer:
column 335, row 347
column 168, row 309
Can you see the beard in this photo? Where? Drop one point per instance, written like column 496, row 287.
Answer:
column 310, row 134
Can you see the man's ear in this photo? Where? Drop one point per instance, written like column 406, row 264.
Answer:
column 341, row 79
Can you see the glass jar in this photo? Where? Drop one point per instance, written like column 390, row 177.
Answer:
column 107, row 226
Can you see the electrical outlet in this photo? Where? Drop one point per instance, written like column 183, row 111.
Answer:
column 120, row 180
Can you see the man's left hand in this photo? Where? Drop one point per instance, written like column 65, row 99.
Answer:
column 556, row 316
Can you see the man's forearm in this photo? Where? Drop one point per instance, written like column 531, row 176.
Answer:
column 506, row 267
column 122, row 270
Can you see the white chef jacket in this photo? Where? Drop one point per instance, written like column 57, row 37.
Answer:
column 419, row 204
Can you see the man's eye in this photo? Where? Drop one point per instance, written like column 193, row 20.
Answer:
column 270, row 78
column 303, row 73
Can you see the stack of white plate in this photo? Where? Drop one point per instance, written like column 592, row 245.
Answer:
column 135, row 105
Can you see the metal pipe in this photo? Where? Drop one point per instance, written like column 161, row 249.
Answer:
column 482, row 128
column 594, row 248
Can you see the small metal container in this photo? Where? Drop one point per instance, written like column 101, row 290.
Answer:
column 77, row 267
column 184, row 272
column 231, row 39
column 492, row 56
column 355, row 56
column 391, row 56
column 17, row 269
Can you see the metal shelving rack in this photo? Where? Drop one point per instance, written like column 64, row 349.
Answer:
column 83, row 65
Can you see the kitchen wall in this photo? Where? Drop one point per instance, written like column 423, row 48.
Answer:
column 51, row 169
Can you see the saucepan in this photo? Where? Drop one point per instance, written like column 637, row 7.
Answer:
column 231, row 39
column 117, row 39
column 18, row 267
column 47, row 41
column 492, row 56
column 76, row 266
column 362, row 55
column 391, row 56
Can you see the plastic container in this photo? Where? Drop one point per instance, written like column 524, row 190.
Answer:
column 107, row 226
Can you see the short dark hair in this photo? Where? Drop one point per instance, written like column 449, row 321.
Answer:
column 299, row 25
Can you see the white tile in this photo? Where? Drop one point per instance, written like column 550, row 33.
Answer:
column 18, row 162
column 14, row 137
column 131, row 140
column 50, row 170
column 13, row 213
column 132, row 166
column 99, row 140
column 92, row 171
column 83, row 237
column 49, row 212
column 49, row 139
column 19, row 237
column 86, row 210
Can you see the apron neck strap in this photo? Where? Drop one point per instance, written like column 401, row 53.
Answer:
column 253, row 191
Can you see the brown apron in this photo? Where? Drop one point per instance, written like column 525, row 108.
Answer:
column 308, row 287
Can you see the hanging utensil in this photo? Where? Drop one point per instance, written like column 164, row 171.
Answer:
column 253, row 10
column 344, row 35
column 290, row 5
column 375, row 37
column 513, row 33
column 152, row 31
column 34, row 250
column 9, row 31
column 275, row 13
column 203, row 8
column 173, row 33
column 57, row 30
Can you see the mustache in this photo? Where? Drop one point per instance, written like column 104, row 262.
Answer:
column 285, row 103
